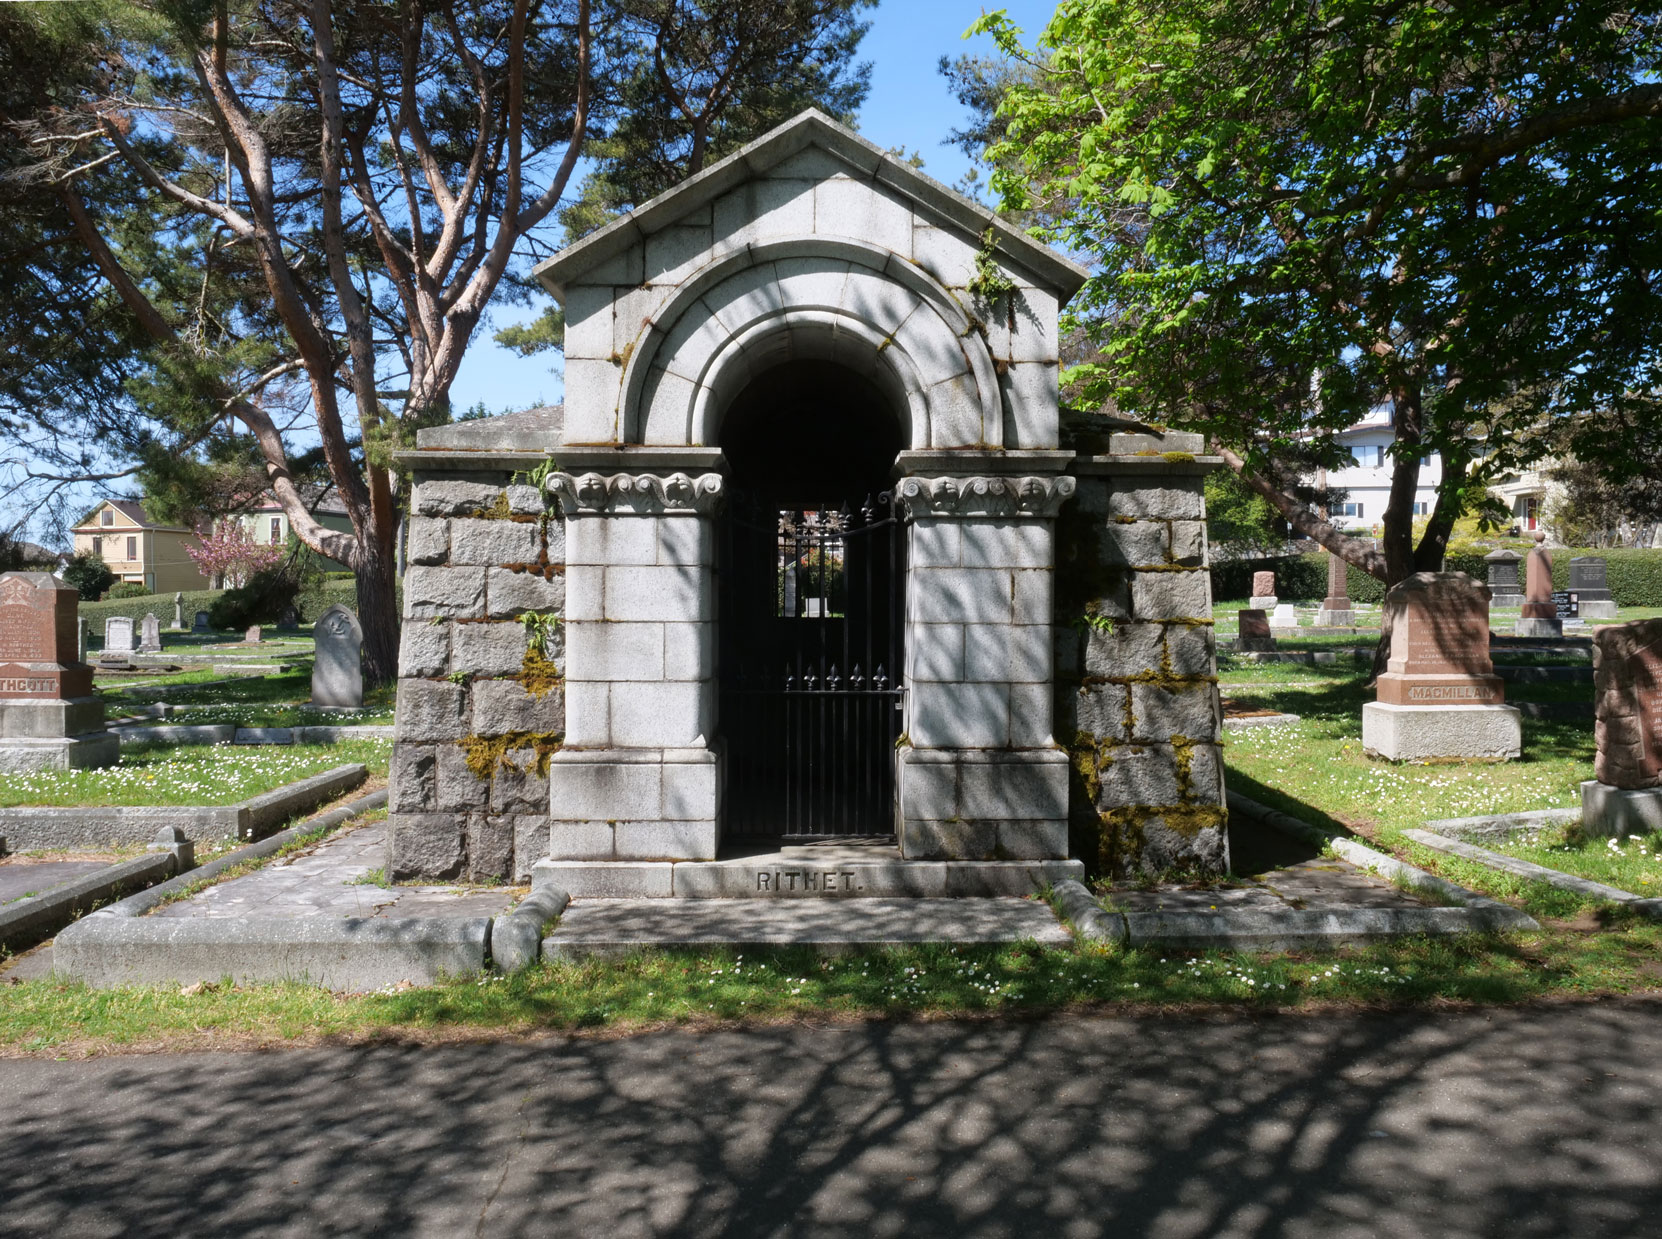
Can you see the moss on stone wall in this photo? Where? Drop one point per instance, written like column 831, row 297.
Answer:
column 488, row 754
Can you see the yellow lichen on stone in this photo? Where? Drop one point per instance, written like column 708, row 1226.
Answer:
column 538, row 674
column 486, row 755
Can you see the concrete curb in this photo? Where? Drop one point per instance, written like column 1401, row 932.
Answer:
column 138, row 905
column 1088, row 917
column 1484, row 915
column 230, row 733
column 516, row 936
column 24, row 922
column 1259, row 720
column 1288, row 929
column 1500, row 825
column 354, row 954
column 1650, row 908
column 54, row 827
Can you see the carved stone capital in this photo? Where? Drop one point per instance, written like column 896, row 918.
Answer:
column 639, row 494
column 985, row 496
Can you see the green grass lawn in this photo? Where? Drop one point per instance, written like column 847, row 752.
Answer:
column 217, row 774
column 1630, row 864
column 275, row 689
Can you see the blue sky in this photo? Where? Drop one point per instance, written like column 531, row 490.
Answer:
column 909, row 106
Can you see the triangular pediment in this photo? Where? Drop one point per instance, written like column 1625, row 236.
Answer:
column 816, row 147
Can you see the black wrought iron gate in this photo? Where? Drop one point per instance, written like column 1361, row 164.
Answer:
column 811, row 617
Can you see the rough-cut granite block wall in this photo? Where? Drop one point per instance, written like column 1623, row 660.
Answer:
column 1136, row 667
column 480, row 707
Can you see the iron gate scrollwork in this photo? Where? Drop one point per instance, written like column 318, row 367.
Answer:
column 811, row 620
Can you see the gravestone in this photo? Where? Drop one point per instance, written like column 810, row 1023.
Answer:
column 1253, row 633
column 1439, row 695
column 150, row 635
column 1263, row 591
column 1336, row 610
column 1624, row 797
column 83, row 639
column 118, row 637
column 1503, row 578
column 1590, row 582
column 178, row 610
column 253, row 635
column 1540, row 615
column 1285, row 616
column 201, row 623
column 289, row 620
column 337, row 669
column 49, row 717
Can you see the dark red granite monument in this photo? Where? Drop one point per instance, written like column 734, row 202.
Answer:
column 1625, row 795
column 49, row 716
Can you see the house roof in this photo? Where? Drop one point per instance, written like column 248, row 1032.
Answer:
column 809, row 128
column 132, row 509
column 321, row 500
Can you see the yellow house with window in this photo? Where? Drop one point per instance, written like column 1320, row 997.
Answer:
column 138, row 549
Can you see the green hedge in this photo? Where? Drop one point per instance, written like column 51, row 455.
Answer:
column 136, row 608
column 1635, row 575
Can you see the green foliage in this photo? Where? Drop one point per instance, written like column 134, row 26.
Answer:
column 260, row 601
column 1634, row 574
column 129, row 589
column 704, row 78
column 1239, row 521
column 1300, row 210
column 541, row 631
column 546, row 331
column 89, row 575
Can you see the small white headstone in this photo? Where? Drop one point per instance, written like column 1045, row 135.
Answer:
column 150, row 638
column 179, row 610
column 1285, row 616
column 118, row 635
column 337, row 669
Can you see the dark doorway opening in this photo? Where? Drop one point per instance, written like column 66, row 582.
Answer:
column 811, row 612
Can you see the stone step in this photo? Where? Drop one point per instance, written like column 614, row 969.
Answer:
column 804, row 874
column 601, row 927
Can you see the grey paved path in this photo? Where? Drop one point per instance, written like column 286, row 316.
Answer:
column 321, row 882
column 24, row 877
column 1321, row 882
column 617, row 925
column 1515, row 1123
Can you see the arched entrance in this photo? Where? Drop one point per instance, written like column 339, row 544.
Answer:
column 811, row 612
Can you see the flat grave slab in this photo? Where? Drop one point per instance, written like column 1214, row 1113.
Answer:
column 322, row 881
column 23, row 877
column 1320, row 882
column 617, row 926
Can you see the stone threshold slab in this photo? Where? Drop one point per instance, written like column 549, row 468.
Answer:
column 787, row 877
column 620, row 926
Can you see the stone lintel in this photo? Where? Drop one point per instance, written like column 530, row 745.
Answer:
column 436, row 460
column 981, row 497
column 642, row 494
column 966, row 462
column 588, row 457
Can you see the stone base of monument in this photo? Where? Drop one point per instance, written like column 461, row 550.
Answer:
column 1617, row 811
column 1263, row 602
column 1420, row 733
column 55, row 734
column 1536, row 627
column 1255, row 645
column 1334, row 619
column 96, row 749
column 1598, row 609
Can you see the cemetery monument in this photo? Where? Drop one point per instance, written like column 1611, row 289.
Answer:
column 1336, row 610
column 1263, row 592
column 337, row 669
column 1253, row 633
column 1589, row 581
column 1439, row 695
column 1540, row 612
column 50, row 719
column 150, row 634
column 178, row 610
column 118, row 638
column 1503, row 578
column 1624, row 797
column 201, row 622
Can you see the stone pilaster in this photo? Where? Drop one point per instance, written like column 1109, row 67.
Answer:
column 980, row 774
column 638, row 776
column 1136, row 676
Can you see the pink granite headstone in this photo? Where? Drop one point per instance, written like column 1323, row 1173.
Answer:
column 1627, row 694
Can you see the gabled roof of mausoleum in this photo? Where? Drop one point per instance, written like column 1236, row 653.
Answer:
column 812, row 128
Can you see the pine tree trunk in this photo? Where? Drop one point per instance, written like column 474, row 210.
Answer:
column 378, row 614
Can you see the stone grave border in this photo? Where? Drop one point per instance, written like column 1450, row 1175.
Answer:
column 230, row 733
column 1450, row 835
column 26, row 921
column 35, row 828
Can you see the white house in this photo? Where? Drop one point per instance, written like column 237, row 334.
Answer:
column 1367, row 483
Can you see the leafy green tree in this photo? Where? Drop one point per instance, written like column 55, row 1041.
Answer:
column 292, row 216
column 90, row 576
column 1301, row 211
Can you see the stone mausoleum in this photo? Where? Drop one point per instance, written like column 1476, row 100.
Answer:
column 809, row 562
